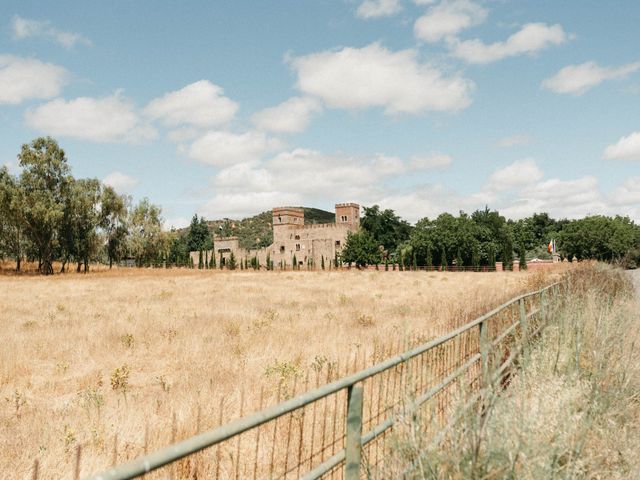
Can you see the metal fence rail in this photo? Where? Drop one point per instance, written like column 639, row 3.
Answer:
column 341, row 429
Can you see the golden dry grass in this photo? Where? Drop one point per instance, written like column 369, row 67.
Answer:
column 192, row 338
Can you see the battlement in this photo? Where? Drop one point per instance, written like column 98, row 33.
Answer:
column 288, row 216
column 345, row 205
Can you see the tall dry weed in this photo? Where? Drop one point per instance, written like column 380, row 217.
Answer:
column 573, row 411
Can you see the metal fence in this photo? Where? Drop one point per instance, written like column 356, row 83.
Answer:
column 343, row 429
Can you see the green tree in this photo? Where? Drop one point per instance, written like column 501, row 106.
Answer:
column 114, row 223
column 523, row 258
column 198, row 235
column 44, row 182
column 385, row 227
column 13, row 242
column 200, row 263
column 361, row 249
column 145, row 240
column 322, row 262
column 232, row 262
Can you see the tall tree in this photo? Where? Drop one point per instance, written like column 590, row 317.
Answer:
column 114, row 223
column 44, row 180
column 386, row 228
column 13, row 242
column 145, row 237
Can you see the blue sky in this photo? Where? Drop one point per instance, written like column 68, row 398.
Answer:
column 231, row 108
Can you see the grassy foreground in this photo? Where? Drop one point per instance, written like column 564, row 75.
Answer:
column 572, row 411
column 108, row 360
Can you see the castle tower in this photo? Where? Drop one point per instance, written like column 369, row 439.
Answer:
column 285, row 218
column 348, row 214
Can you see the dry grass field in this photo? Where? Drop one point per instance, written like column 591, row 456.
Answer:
column 108, row 359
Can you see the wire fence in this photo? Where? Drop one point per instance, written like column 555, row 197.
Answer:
column 342, row 427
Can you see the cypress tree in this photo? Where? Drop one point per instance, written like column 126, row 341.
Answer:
column 443, row 258
column 386, row 264
column 336, row 260
column 221, row 261
column 475, row 257
column 241, row 265
column 401, row 262
column 459, row 260
column 394, row 265
column 429, row 259
column 206, row 259
column 415, row 261
column 294, row 262
column 200, row 260
column 269, row 267
column 523, row 258
column 507, row 256
column 213, row 260
column 492, row 258
column 322, row 262
column 232, row 262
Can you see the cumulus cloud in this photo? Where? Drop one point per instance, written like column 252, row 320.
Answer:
column 25, row 28
column 378, row 8
column 241, row 204
column 628, row 193
column 222, row 148
column 448, row 19
column 627, row 148
column 431, row 161
column 200, row 104
column 530, row 39
column 27, row 78
column 108, row 119
column 578, row 79
column 373, row 76
column 514, row 140
column 291, row 116
column 121, row 182
column 517, row 174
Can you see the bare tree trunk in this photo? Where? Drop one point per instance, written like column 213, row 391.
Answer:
column 79, row 267
column 86, row 265
column 110, row 263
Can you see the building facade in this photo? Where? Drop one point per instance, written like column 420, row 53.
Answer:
column 292, row 239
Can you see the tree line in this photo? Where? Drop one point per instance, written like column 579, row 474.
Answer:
column 486, row 237
column 47, row 215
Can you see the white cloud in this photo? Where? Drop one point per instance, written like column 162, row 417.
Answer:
column 27, row 78
column 628, row 193
column 378, row 8
column 108, row 119
column 121, row 182
column 373, row 76
column 577, row 79
column 241, row 204
column 200, row 104
column 530, row 39
column 221, row 148
column 514, row 140
column 291, row 116
column 448, row 19
column 627, row 148
column 433, row 160
column 518, row 174
column 176, row 222
column 24, row 28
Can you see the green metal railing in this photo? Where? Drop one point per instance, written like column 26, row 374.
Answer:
column 320, row 432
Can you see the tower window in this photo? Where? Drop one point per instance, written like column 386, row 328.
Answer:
column 297, row 237
column 281, row 248
column 337, row 243
column 297, row 247
column 344, row 218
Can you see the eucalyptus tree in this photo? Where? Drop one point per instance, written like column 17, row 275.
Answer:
column 44, row 183
column 13, row 242
column 114, row 223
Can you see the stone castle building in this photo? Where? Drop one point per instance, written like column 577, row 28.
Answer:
column 292, row 238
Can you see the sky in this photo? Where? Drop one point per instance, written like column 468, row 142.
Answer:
column 229, row 108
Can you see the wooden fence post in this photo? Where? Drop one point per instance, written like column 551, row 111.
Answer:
column 354, row 433
column 523, row 329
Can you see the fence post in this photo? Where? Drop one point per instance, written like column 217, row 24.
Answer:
column 523, row 327
column 484, row 354
column 542, row 305
column 354, row 433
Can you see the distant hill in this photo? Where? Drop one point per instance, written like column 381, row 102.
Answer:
column 256, row 231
